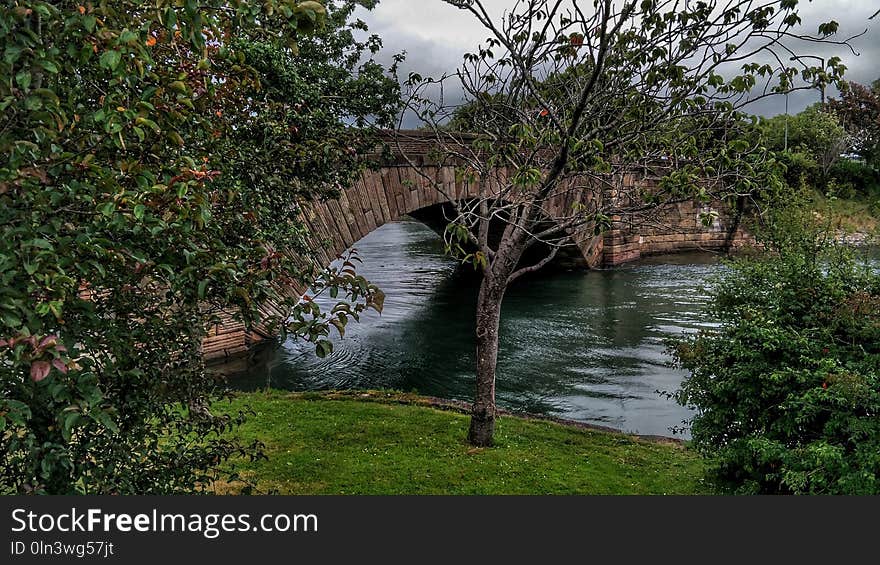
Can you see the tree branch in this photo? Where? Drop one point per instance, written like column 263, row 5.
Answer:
column 534, row 268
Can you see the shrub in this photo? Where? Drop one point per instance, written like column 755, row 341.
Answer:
column 800, row 168
column 787, row 387
column 150, row 166
column 857, row 177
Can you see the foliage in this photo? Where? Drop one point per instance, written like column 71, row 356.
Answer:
column 859, row 111
column 801, row 169
column 383, row 443
column 130, row 218
column 816, row 134
column 854, row 178
column 573, row 110
column 858, row 216
column 787, row 388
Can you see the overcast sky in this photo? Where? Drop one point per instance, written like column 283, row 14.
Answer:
column 435, row 35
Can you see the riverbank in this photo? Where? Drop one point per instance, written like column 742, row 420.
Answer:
column 854, row 221
column 390, row 443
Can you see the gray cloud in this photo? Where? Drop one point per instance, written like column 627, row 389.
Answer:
column 435, row 36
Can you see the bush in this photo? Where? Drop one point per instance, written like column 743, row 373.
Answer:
column 800, row 168
column 787, row 388
column 856, row 178
column 149, row 171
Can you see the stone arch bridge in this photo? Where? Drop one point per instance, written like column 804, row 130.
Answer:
column 394, row 190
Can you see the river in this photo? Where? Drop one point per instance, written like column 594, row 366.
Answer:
column 588, row 346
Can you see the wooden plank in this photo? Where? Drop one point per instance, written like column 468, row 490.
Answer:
column 326, row 231
column 423, row 186
column 416, row 180
column 387, row 209
column 376, row 202
column 317, row 222
column 406, row 190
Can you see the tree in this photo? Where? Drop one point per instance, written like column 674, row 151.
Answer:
column 785, row 389
column 590, row 98
column 815, row 132
column 859, row 111
column 130, row 217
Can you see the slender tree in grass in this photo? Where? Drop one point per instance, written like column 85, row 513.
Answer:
column 152, row 156
column 567, row 99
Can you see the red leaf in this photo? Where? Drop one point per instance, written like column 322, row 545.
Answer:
column 40, row 370
column 59, row 364
column 3, row 343
column 48, row 340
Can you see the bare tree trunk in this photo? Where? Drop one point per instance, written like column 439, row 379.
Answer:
column 491, row 294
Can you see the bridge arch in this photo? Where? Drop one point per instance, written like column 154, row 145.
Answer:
column 394, row 190
column 389, row 194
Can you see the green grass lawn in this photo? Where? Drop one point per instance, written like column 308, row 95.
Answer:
column 318, row 445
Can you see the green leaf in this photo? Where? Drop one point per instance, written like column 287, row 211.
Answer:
column 149, row 123
column 23, row 79
column 49, row 66
column 11, row 54
column 110, row 59
column 106, row 420
column 12, row 320
column 323, row 348
column 68, row 421
column 108, row 208
column 170, row 18
column 203, row 285
column 176, row 138
column 41, row 243
column 127, row 37
column 139, row 211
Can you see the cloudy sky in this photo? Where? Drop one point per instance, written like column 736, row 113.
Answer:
column 435, row 35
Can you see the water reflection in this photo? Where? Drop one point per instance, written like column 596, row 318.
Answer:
column 587, row 346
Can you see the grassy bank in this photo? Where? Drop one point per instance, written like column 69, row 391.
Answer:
column 859, row 215
column 319, row 445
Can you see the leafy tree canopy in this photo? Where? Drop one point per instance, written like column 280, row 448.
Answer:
column 859, row 111
column 574, row 107
column 155, row 154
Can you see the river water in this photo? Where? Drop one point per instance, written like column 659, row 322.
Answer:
column 588, row 346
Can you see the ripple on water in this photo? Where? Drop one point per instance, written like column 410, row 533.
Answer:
column 582, row 345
